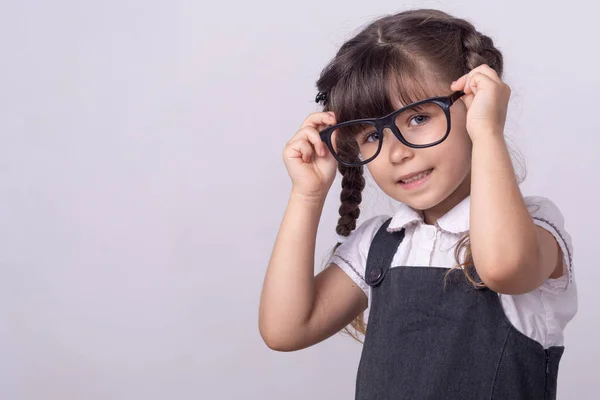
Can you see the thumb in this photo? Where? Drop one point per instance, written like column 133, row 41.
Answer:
column 467, row 99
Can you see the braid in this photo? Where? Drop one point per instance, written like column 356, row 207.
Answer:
column 479, row 49
column 353, row 184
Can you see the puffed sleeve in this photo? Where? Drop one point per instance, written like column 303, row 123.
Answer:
column 547, row 215
column 351, row 255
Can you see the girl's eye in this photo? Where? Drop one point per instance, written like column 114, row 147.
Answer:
column 419, row 119
column 371, row 137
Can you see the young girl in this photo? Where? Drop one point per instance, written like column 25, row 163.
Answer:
column 469, row 284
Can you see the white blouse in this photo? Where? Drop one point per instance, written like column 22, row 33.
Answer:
column 541, row 314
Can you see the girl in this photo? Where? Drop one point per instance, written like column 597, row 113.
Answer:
column 469, row 284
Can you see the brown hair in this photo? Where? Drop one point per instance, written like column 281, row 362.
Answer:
column 412, row 55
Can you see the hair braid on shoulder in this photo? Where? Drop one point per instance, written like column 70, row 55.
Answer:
column 353, row 183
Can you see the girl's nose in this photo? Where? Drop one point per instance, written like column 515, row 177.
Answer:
column 396, row 150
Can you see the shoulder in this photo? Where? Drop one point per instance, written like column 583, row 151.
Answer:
column 543, row 313
column 365, row 232
column 543, row 208
column 351, row 255
column 546, row 214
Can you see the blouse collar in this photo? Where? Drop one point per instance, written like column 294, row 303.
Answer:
column 454, row 221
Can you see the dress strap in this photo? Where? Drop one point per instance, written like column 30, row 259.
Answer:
column 381, row 253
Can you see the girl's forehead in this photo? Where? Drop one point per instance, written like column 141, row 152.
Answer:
column 407, row 91
column 378, row 94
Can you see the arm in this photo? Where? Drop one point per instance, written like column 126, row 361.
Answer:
column 298, row 309
column 512, row 255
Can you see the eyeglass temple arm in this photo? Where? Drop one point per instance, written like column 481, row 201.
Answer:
column 456, row 95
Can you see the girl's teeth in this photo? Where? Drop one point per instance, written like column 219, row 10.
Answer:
column 416, row 177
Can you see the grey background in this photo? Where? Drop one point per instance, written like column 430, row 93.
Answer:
column 141, row 186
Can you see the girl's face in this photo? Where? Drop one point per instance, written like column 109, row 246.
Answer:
column 449, row 162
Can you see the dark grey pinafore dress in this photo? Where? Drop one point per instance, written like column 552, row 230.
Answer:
column 427, row 342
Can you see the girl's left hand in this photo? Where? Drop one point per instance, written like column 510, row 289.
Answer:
column 486, row 98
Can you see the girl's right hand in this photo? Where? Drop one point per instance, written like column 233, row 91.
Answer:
column 309, row 162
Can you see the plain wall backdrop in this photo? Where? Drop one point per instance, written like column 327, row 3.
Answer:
column 142, row 186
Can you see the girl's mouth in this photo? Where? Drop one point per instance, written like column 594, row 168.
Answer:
column 415, row 180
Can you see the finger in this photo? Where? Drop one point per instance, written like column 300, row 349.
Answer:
column 489, row 72
column 318, row 119
column 479, row 81
column 312, row 136
column 484, row 69
column 459, row 84
column 467, row 99
column 315, row 139
column 301, row 149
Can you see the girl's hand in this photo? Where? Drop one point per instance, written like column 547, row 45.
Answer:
column 309, row 163
column 486, row 98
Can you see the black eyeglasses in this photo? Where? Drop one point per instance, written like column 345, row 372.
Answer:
column 425, row 123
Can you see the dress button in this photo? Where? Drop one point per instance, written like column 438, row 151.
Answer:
column 375, row 274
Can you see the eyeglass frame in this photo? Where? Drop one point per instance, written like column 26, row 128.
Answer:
column 388, row 121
